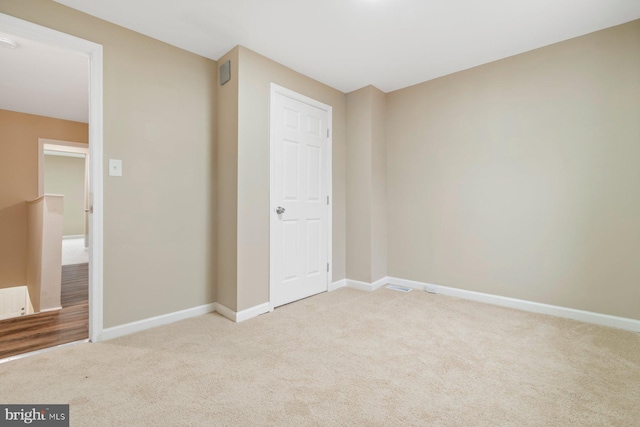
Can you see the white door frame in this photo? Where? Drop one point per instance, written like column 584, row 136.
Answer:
column 276, row 89
column 93, row 52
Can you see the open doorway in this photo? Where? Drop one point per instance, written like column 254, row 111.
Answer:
column 63, row 168
column 40, row 110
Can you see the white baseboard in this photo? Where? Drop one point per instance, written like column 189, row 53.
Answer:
column 152, row 322
column 241, row 316
column 46, row 310
column 364, row 286
column 337, row 285
column 252, row 312
column 380, row 282
column 534, row 307
column 225, row 311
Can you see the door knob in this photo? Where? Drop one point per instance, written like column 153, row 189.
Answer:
column 279, row 210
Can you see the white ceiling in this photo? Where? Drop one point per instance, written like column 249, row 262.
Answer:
column 47, row 81
column 349, row 44
column 346, row 44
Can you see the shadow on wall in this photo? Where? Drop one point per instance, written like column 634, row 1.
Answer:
column 13, row 245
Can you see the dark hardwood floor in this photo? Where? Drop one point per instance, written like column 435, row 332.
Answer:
column 42, row 330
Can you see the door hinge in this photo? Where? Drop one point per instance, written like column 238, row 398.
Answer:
column 327, row 132
column 327, row 199
column 327, row 267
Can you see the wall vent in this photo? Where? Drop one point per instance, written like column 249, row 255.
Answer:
column 225, row 72
column 399, row 288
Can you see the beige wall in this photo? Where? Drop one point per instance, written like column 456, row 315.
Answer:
column 19, row 135
column 517, row 178
column 227, row 180
column 359, row 188
column 65, row 175
column 520, row 177
column 159, row 118
column 379, row 227
column 255, row 75
column 366, row 185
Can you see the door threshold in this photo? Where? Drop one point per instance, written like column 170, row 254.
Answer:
column 44, row 350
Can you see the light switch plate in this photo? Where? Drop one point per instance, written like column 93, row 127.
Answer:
column 115, row 167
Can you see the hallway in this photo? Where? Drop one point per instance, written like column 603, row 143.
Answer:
column 74, row 252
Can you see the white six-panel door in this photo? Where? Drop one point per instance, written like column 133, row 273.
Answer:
column 300, row 187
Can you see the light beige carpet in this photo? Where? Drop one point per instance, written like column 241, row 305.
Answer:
column 347, row 358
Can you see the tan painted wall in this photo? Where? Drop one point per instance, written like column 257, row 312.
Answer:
column 520, row 178
column 65, row 175
column 366, row 185
column 359, row 188
column 256, row 74
column 19, row 135
column 159, row 118
column 379, row 241
column 227, row 179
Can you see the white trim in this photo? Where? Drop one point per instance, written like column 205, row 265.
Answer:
column 380, row 282
column 277, row 89
column 46, row 310
column 534, row 307
column 252, row 312
column 337, row 285
column 49, row 152
column 226, row 311
column 356, row 284
column 330, row 195
column 152, row 322
column 364, row 286
column 96, row 248
column 70, row 147
column 241, row 316
column 44, row 350
column 272, row 204
column 93, row 51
